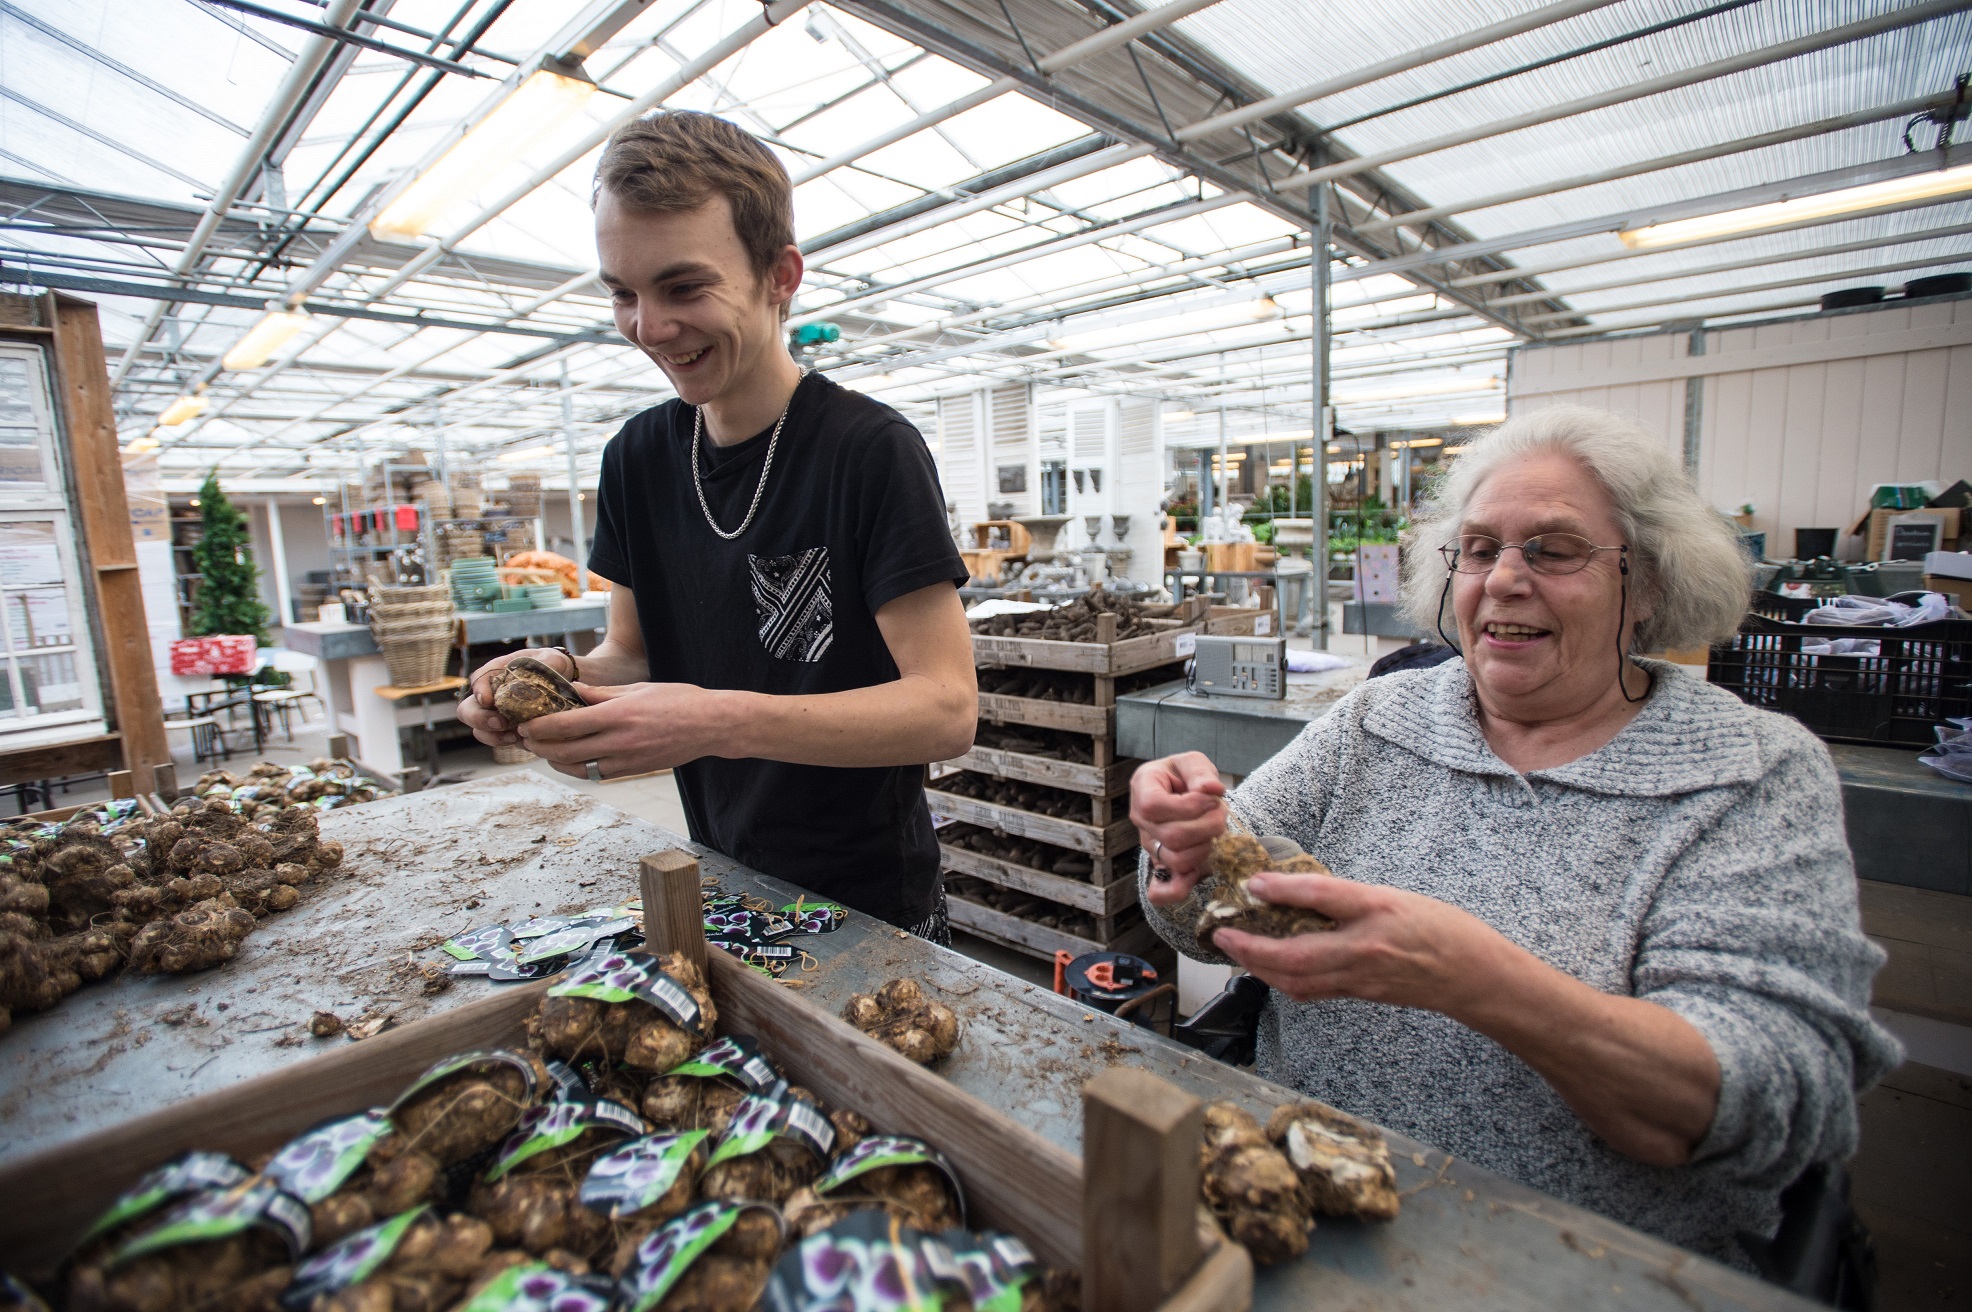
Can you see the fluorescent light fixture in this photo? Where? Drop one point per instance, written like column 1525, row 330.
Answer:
column 528, row 453
column 1177, row 416
column 141, row 445
column 1410, row 391
column 1458, row 450
column 319, row 501
column 1264, row 308
column 273, row 332
column 1827, row 204
column 184, row 408
column 534, row 111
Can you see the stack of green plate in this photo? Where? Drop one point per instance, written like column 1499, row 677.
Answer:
column 544, row 596
column 508, row 605
column 475, row 583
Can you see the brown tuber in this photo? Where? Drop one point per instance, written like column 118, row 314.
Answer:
column 1235, row 859
column 899, row 1016
column 198, row 938
column 1251, row 1187
column 1343, row 1163
column 635, row 1032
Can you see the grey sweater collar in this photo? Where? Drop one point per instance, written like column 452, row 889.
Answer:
column 1689, row 736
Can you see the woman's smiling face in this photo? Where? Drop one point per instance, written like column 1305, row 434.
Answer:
column 1542, row 646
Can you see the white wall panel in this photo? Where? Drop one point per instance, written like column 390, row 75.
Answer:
column 1823, row 408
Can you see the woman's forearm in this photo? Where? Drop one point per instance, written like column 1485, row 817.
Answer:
column 1637, row 1074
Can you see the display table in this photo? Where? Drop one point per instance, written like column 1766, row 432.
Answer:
column 423, row 866
column 353, row 669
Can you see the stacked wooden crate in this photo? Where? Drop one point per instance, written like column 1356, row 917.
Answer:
column 1041, row 855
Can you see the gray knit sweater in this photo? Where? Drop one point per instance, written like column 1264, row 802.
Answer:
column 1697, row 860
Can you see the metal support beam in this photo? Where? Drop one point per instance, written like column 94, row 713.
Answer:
column 1733, row 266
column 1753, row 289
column 294, row 85
column 1316, row 593
column 1820, row 127
column 1898, row 18
column 1410, row 59
column 1855, row 175
column 576, row 528
column 1067, row 57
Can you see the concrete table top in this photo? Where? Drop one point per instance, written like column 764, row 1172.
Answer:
column 423, row 866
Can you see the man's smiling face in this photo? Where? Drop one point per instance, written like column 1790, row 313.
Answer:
column 687, row 296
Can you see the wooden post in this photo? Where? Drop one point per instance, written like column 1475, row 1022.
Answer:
column 338, row 746
column 164, row 781
column 1107, row 625
column 1140, row 1237
column 674, row 913
column 122, row 784
column 103, row 515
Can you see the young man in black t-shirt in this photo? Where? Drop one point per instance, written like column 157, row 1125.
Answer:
column 785, row 627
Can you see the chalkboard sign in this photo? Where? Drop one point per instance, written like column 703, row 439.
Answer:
column 1913, row 540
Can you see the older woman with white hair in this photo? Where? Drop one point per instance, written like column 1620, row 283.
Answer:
column 1597, row 924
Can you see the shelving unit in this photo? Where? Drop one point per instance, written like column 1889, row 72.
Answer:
column 1017, row 899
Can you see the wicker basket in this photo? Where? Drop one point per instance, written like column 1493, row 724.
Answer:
column 511, row 754
column 416, row 662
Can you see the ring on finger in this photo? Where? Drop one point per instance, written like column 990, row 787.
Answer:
column 1158, row 870
column 594, row 770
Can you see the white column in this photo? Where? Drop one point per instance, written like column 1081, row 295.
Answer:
column 277, row 547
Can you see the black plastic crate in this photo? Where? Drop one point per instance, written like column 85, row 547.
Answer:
column 1776, row 607
column 1920, row 677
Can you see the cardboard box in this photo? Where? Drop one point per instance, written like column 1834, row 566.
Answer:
column 1959, row 590
column 1874, row 528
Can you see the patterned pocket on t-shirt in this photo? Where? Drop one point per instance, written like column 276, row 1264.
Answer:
column 791, row 598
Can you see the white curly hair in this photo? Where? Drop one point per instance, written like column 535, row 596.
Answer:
column 1686, row 562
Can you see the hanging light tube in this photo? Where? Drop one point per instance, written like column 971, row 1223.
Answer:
column 273, row 332
column 184, row 408
column 1829, row 204
column 543, row 102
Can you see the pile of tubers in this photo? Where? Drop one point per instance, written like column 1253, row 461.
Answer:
column 166, row 894
column 1265, row 1187
column 1076, row 621
column 900, row 1017
column 540, row 1171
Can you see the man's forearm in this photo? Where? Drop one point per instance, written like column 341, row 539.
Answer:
column 611, row 665
column 913, row 720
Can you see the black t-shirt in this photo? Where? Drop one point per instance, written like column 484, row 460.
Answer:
column 852, row 518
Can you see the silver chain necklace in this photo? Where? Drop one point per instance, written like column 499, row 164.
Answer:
column 698, row 424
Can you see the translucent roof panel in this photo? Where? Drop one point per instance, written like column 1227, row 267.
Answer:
column 977, row 224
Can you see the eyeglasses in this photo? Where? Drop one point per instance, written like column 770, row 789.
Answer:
column 1550, row 553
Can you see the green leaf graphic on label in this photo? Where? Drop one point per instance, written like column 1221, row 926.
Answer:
column 638, row 1174
column 190, row 1174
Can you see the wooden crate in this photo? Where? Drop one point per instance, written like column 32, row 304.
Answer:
column 1105, row 841
column 1110, row 659
column 1014, row 1179
column 1075, row 717
column 1112, row 780
column 1082, row 894
column 1040, row 940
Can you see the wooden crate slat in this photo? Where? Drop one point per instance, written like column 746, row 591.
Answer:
column 1117, row 658
column 1112, row 841
column 1095, row 780
column 1039, row 940
column 1098, row 721
column 1096, row 899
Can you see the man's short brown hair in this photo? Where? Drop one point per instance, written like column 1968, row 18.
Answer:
column 677, row 160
